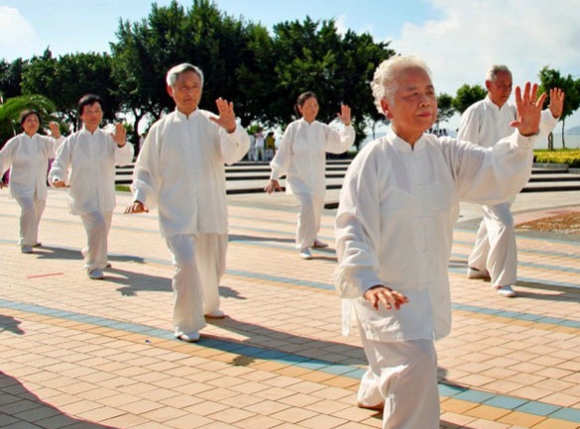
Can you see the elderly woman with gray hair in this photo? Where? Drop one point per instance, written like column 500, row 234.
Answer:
column 394, row 227
column 27, row 156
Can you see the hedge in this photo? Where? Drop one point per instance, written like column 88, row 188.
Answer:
column 562, row 156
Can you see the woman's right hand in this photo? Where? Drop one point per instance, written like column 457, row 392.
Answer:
column 273, row 186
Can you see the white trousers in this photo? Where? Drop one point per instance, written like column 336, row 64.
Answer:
column 403, row 375
column 308, row 219
column 97, row 226
column 495, row 245
column 199, row 263
column 30, row 213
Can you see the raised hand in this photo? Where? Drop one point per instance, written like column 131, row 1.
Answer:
column 344, row 114
column 529, row 108
column 556, row 102
column 227, row 117
column 120, row 135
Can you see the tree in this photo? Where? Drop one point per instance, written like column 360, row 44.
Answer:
column 467, row 95
column 67, row 78
column 11, row 108
column 445, row 109
column 551, row 78
column 11, row 77
column 201, row 35
column 313, row 56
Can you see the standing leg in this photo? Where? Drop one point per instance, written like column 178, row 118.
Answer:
column 502, row 261
column 404, row 375
column 97, row 226
column 30, row 213
column 308, row 221
column 211, row 260
column 188, row 317
column 478, row 257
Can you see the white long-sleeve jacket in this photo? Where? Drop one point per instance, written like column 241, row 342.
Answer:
column 301, row 156
column 27, row 157
column 394, row 224
column 86, row 161
column 484, row 123
column 181, row 170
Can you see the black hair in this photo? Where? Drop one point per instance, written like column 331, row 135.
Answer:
column 89, row 100
column 26, row 113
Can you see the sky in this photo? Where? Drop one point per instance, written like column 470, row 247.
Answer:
column 459, row 39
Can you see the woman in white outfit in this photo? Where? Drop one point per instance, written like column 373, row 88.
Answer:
column 27, row 156
column 394, row 231
column 302, row 158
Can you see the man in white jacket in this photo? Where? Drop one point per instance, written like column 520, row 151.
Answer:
column 181, row 171
column 485, row 123
column 86, row 162
column 394, row 228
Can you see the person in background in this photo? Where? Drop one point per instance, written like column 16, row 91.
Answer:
column 259, row 145
column 394, row 231
column 85, row 162
column 301, row 157
column 181, row 171
column 27, row 156
column 485, row 123
column 270, row 143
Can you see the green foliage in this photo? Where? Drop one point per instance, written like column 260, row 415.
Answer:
column 10, row 77
column 67, row 78
column 11, row 109
column 551, row 78
column 445, row 109
column 571, row 157
column 467, row 95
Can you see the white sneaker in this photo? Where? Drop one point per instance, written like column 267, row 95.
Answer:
column 26, row 249
column 192, row 337
column 216, row 314
column 305, row 254
column 474, row 273
column 96, row 274
column 506, row 291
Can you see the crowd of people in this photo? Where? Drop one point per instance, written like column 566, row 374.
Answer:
column 394, row 225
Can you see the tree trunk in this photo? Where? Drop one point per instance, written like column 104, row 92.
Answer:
column 563, row 141
column 551, row 141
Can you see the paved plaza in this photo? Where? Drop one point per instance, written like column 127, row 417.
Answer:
column 78, row 353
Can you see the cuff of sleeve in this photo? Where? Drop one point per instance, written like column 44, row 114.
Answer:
column 524, row 142
column 139, row 196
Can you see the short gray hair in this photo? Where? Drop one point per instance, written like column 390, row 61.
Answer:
column 494, row 70
column 385, row 80
column 174, row 73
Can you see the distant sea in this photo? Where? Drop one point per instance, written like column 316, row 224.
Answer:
column 572, row 141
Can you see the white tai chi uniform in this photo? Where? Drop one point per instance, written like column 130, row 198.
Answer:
column 27, row 157
column 86, row 162
column 394, row 227
column 181, row 171
column 484, row 123
column 302, row 158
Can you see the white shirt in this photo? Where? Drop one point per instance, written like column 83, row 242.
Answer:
column 484, row 123
column 86, row 161
column 301, row 155
column 181, row 170
column 394, row 224
column 27, row 157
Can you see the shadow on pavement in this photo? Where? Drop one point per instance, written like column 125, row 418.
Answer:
column 22, row 408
